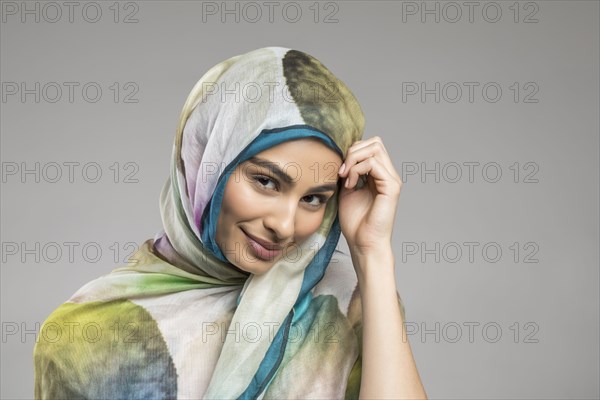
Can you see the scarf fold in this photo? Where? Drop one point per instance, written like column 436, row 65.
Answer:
column 179, row 321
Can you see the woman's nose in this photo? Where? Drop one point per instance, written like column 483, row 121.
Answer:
column 281, row 220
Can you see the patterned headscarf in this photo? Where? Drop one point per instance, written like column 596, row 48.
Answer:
column 198, row 326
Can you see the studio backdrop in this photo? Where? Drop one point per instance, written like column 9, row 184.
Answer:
column 489, row 110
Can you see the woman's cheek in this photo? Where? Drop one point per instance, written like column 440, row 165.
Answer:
column 245, row 200
column 308, row 224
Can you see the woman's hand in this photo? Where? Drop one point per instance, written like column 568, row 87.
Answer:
column 367, row 214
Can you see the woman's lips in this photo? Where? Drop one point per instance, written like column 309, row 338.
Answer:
column 261, row 251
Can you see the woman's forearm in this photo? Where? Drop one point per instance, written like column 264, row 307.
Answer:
column 388, row 367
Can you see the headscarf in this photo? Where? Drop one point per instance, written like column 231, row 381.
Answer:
column 179, row 320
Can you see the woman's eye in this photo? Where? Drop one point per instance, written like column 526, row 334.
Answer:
column 264, row 181
column 321, row 200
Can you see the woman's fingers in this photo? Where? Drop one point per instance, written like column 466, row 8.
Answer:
column 366, row 166
column 384, row 182
column 365, row 149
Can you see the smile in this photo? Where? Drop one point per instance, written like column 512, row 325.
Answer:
column 260, row 250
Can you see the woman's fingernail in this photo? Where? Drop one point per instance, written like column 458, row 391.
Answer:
column 342, row 168
column 347, row 182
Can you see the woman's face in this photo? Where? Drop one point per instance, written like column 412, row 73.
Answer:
column 277, row 197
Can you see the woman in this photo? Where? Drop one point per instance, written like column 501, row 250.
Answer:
column 243, row 294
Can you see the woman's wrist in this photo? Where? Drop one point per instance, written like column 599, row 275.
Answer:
column 373, row 266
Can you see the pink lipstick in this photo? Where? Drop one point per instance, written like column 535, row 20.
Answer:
column 261, row 249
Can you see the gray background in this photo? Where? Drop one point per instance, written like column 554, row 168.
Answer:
column 547, row 310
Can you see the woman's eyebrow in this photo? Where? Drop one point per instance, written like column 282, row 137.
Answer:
column 274, row 168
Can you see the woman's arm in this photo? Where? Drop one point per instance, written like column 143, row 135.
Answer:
column 388, row 367
column 367, row 213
